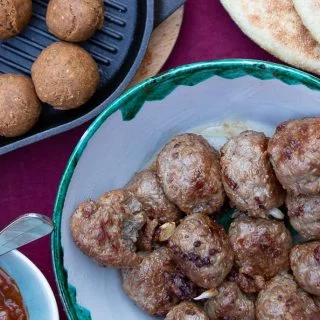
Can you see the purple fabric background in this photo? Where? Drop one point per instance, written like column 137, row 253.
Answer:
column 30, row 176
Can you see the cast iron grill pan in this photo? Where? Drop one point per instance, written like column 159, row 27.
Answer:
column 118, row 50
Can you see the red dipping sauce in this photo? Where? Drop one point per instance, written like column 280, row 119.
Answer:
column 11, row 303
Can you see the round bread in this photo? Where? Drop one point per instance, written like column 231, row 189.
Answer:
column 14, row 16
column 65, row 76
column 19, row 105
column 74, row 20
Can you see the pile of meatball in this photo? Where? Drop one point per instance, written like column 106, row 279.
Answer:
column 177, row 262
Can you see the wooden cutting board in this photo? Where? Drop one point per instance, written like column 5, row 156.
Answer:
column 161, row 44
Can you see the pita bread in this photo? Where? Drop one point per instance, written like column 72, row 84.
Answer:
column 309, row 12
column 276, row 27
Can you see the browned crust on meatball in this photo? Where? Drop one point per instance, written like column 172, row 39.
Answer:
column 282, row 299
column 146, row 187
column 189, row 171
column 304, row 215
column 230, row 303
column 187, row 311
column 202, row 250
column 305, row 264
column 261, row 246
column 107, row 230
column 247, row 174
column 73, row 20
column 65, row 76
column 295, row 155
column 153, row 284
column 20, row 107
column 14, row 16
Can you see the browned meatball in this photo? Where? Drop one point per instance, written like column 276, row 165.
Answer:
column 14, row 16
column 146, row 187
column 187, row 311
column 107, row 229
column 283, row 299
column 304, row 214
column 295, row 155
column 261, row 246
column 305, row 264
column 247, row 174
column 156, row 285
column 189, row 171
column 202, row 250
column 230, row 303
column 74, row 20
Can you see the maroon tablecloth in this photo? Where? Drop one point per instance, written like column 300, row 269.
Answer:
column 29, row 177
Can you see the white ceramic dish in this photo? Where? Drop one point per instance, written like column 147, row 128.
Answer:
column 227, row 96
column 35, row 289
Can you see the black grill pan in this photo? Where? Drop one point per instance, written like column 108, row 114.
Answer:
column 118, row 49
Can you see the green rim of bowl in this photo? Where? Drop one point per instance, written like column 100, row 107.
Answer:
column 156, row 88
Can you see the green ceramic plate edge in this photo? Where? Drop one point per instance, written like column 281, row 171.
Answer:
column 156, row 88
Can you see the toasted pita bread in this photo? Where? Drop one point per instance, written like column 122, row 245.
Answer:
column 276, row 27
column 309, row 12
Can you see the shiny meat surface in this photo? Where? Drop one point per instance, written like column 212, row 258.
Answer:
column 230, row 303
column 146, row 187
column 283, row 299
column 189, row 171
column 187, row 311
column 261, row 246
column 247, row 174
column 304, row 214
column 295, row 154
column 107, row 229
column 202, row 250
column 305, row 264
column 156, row 285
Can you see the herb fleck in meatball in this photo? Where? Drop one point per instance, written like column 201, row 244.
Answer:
column 187, row 311
column 202, row 250
column 156, row 285
column 247, row 174
column 230, row 303
column 74, row 20
column 107, row 229
column 14, row 16
column 305, row 264
column 283, row 299
column 295, row 154
column 189, row 171
column 304, row 214
column 261, row 246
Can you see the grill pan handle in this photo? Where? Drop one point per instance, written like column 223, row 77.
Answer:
column 164, row 8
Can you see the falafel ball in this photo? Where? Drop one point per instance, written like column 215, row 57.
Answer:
column 304, row 215
column 305, row 265
column 261, row 246
column 283, row 299
column 187, row 311
column 20, row 107
column 189, row 171
column 295, row 155
column 156, row 285
column 14, row 16
column 247, row 174
column 65, row 76
column 107, row 229
column 230, row 303
column 74, row 20
column 202, row 250
column 146, row 187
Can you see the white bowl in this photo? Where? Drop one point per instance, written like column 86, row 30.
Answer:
column 35, row 289
column 230, row 96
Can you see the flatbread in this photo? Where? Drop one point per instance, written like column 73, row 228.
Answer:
column 309, row 12
column 277, row 28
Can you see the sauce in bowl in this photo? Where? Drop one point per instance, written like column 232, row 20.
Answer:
column 11, row 302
